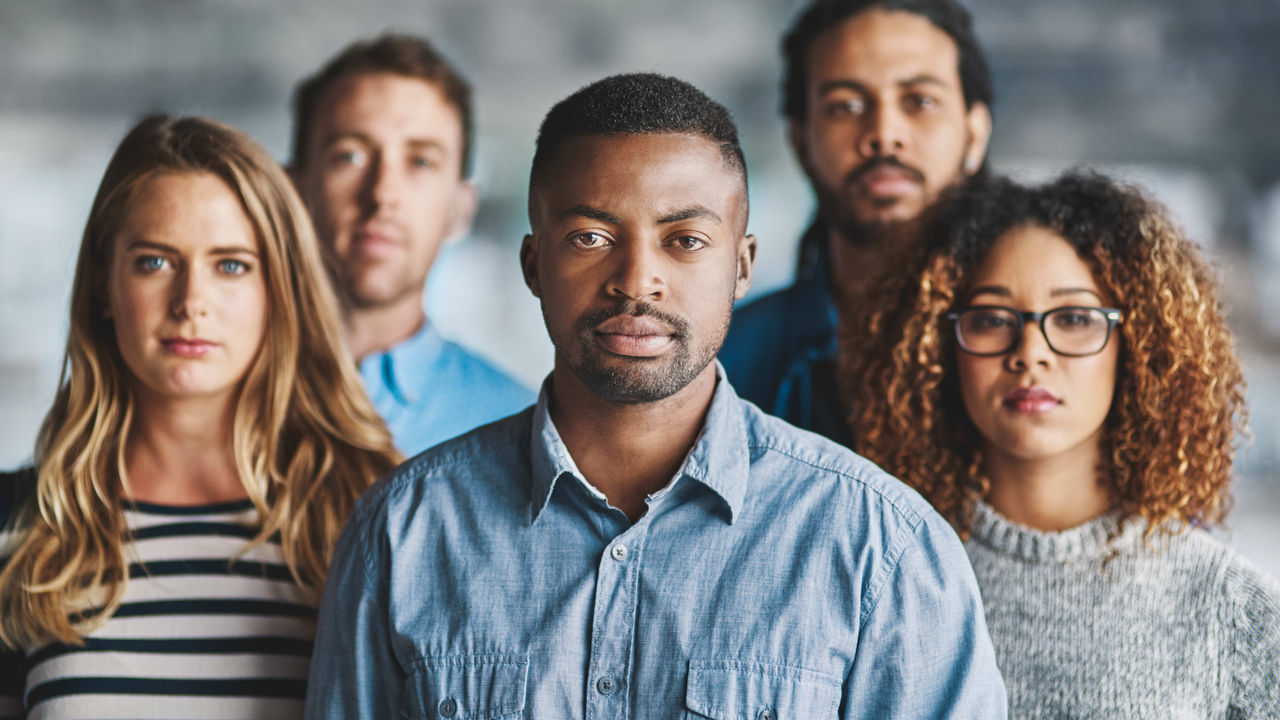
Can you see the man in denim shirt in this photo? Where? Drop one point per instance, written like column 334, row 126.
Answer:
column 642, row 543
column 887, row 103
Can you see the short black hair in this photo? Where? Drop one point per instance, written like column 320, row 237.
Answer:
column 392, row 53
column 819, row 16
column 637, row 104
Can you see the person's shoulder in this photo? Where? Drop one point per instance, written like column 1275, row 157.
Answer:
column 827, row 466
column 16, row 486
column 480, row 371
column 451, row 466
column 768, row 311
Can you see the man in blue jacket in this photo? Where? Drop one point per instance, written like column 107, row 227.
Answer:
column 887, row 104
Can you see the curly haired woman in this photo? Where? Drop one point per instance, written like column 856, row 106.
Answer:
column 1059, row 381
column 209, row 439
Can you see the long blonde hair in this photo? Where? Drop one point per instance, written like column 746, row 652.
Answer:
column 306, row 440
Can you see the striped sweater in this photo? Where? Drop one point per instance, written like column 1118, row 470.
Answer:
column 204, row 631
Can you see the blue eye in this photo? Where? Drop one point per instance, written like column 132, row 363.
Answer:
column 232, row 267
column 150, row 263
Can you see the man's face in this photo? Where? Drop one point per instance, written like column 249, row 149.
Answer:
column 886, row 127
column 639, row 249
column 382, row 176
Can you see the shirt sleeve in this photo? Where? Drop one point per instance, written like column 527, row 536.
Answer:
column 13, row 679
column 354, row 671
column 923, row 649
column 1255, row 600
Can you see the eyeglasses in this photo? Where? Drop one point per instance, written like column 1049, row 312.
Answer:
column 1073, row 331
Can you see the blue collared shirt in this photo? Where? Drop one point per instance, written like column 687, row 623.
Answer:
column 777, row 576
column 430, row 389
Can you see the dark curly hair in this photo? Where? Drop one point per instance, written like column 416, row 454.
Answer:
column 1169, row 438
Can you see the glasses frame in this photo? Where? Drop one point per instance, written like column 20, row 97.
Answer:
column 1113, row 315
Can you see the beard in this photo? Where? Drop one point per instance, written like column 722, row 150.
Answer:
column 842, row 214
column 636, row 380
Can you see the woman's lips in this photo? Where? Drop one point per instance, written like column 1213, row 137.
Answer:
column 187, row 347
column 634, row 336
column 1031, row 400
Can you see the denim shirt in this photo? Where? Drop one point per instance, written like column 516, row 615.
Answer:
column 429, row 389
column 777, row 576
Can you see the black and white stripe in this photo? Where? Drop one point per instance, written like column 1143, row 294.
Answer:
column 205, row 630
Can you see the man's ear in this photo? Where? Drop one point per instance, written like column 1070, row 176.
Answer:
column 746, row 266
column 529, row 264
column 978, row 122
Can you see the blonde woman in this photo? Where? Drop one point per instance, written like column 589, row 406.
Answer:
column 209, row 438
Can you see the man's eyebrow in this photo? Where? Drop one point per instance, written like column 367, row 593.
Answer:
column 924, row 79
column 589, row 212
column 842, row 84
column 689, row 213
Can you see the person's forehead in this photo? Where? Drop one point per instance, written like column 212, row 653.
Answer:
column 609, row 168
column 386, row 102
column 883, row 46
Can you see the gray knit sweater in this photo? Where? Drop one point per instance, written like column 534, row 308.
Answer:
column 1182, row 627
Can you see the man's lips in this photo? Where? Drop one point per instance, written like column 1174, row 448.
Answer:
column 187, row 347
column 634, row 336
column 1031, row 400
column 375, row 243
column 888, row 181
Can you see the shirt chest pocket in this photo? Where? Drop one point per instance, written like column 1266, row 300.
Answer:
column 733, row 690
column 466, row 687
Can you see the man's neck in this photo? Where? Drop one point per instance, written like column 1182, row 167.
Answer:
column 379, row 328
column 629, row 451
column 859, row 264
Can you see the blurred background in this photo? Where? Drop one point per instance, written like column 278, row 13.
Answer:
column 1178, row 95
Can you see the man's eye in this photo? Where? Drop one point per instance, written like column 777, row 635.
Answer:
column 150, row 263
column 845, row 107
column 589, row 240
column 348, row 157
column 422, row 163
column 916, row 101
column 232, row 267
column 689, row 242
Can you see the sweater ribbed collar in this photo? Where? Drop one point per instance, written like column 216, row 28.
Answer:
column 1083, row 542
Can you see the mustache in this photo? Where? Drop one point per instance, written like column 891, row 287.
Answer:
column 590, row 321
column 876, row 163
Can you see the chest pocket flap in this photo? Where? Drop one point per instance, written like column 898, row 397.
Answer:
column 734, row 690
column 466, row 687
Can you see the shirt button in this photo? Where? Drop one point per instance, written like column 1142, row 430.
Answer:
column 448, row 707
column 604, row 685
column 766, row 715
column 619, row 552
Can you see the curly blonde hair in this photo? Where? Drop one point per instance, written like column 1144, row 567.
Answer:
column 1169, row 437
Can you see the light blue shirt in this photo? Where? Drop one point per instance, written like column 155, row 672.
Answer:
column 430, row 389
column 777, row 576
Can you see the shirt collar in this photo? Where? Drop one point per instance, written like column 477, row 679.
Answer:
column 401, row 367
column 720, row 459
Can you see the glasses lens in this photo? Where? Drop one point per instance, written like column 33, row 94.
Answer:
column 986, row 330
column 1076, row 331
